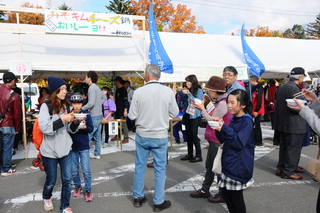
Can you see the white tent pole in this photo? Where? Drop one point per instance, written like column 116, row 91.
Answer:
column 24, row 135
column 144, row 45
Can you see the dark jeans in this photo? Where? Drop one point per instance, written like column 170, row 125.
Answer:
column 257, row 130
column 7, row 135
column 234, row 200
column 209, row 176
column 276, row 138
column 192, row 134
column 176, row 129
column 289, row 153
column 50, row 167
column 272, row 119
column 106, row 131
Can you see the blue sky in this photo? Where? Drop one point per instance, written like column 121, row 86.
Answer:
column 220, row 16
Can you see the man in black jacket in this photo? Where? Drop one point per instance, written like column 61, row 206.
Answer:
column 121, row 100
column 290, row 125
column 258, row 108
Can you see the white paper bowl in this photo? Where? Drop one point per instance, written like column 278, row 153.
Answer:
column 213, row 124
column 197, row 101
column 291, row 102
column 80, row 115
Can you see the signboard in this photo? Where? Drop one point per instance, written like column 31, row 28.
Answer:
column 72, row 22
column 20, row 67
column 203, row 74
column 113, row 128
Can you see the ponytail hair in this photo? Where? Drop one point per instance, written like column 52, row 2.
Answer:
column 244, row 99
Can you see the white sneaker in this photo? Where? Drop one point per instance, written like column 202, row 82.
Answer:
column 67, row 210
column 8, row 173
column 250, row 182
column 94, row 156
column 215, row 179
column 47, row 204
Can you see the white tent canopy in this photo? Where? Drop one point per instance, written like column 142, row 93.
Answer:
column 205, row 55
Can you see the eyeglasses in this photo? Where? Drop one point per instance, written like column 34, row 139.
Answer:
column 227, row 74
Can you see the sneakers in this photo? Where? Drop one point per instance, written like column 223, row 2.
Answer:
column 94, row 156
column 125, row 141
column 216, row 199
column 8, row 173
column 77, row 191
column 249, row 183
column 105, row 145
column 47, row 204
column 67, row 210
column 88, row 196
column 165, row 205
column 199, row 193
column 115, row 138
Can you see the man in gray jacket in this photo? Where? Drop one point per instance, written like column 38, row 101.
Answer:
column 95, row 100
column 290, row 125
column 152, row 106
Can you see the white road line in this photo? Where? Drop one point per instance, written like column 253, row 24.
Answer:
column 188, row 185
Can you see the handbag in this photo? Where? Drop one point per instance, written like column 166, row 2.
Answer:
column 217, row 168
column 314, row 169
column 271, row 107
column 203, row 122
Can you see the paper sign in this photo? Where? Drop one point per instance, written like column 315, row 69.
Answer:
column 210, row 107
column 20, row 67
column 72, row 22
column 113, row 128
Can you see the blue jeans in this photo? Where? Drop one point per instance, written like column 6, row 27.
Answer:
column 96, row 134
column 176, row 129
column 50, row 167
column 84, row 157
column 7, row 135
column 158, row 148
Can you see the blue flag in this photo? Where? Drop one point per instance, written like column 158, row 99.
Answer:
column 157, row 53
column 254, row 63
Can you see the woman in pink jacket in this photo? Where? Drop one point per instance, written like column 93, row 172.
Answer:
column 217, row 107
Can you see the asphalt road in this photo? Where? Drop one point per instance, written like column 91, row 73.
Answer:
column 113, row 179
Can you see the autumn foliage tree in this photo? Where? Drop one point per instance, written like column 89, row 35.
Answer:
column 167, row 17
column 183, row 22
column 263, row 32
column 27, row 18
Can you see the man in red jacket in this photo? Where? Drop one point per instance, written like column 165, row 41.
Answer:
column 10, row 125
column 258, row 108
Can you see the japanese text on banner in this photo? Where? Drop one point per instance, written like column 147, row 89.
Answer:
column 72, row 22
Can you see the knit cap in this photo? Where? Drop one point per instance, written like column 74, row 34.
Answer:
column 216, row 83
column 55, row 83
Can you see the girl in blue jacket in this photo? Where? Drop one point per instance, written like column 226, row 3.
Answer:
column 238, row 150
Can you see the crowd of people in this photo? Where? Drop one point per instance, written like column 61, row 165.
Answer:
column 236, row 108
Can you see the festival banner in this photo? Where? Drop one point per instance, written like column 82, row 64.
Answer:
column 72, row 22
column 254, row 63
column 157, row 53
